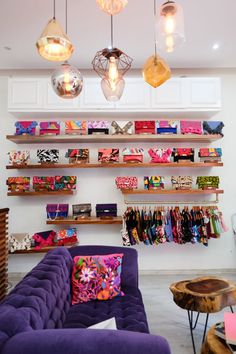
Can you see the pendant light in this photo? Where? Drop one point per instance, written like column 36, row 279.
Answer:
column 156, row 71
column 170, row 26
column 112, row 7
column 53, row 44
column 66, row 80
column 111, row 64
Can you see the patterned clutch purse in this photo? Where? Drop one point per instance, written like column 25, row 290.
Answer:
column 124, row 127
column 19, row 242
column 167, row 127
column 19, row 157
column 43, row 183
column 78, row 155
column 210, row 154
column 57, row 211
column 145, row 127
column 49, row 128
column 208, row 182
column 133, row 155
column 25, row 127
column 48, row 156
column 126, row 182
column 183, row 154
column 182, row 182
column 75, row 127
column 154, row 182
column 44, row 239
column 160, row 155
column 108, row 155
column 98, row 127
column 81, row 211
column 213, row 127
column 66, row 236
column 18, row 184
column 190, row 127
column 65, row 183
column 106, row 210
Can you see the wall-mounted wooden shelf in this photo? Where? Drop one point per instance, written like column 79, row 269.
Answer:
column 172, row 191
column 42, row 139
column 116, row 165
column 38, row 194
column 42, row 250
column 86, row 221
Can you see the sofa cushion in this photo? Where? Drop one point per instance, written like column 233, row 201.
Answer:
column 128, row 311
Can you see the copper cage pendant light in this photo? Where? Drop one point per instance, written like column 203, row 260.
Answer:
column 53, row 44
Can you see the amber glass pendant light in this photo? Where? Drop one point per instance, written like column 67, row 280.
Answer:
column 155, row 70
column 112, row 7
column 53, row 44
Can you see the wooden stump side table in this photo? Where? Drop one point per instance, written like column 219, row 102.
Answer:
column 203, row 295
column 214, row 345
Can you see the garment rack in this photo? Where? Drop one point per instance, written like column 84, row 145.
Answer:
column 194, row 202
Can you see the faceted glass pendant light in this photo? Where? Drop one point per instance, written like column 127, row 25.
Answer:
column 170, row 26
column 156, row 71
column 113, row 93
column 112, row 7
column 67, row 81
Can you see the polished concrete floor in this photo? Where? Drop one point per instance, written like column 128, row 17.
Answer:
column 164, row 316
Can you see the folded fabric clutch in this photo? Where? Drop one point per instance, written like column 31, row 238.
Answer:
column 183, row 154
column 49, row 128
column 122, row 127
column 160, row 155
column 167, row 127
column 19, row 241
column 181, row 182
column 145, row 127
column 43, row 183
column 66, row 236
column 126, row 182
column 75, row 127
column 18, row 184
column 106, row 210
column 44, row 239
column 210, row 154
column 208, row 182
column 133, row 155
column 48, row 156
column 25, row 127
column 213, row 127
column 57, row 211
column 154, row 182
column 19, row 157
column 108, row 155
column 98, row 127
column 81, row 210
column 191, row 127
column 78, row 155
column 65, row 182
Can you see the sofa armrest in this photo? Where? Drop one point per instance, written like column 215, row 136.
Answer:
column 81, row 341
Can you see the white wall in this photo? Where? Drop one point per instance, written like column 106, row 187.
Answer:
column 28, row 214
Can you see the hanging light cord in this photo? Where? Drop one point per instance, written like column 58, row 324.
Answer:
column 155, row 35
column 66, row 15
column 54, row 9
column 112, row 31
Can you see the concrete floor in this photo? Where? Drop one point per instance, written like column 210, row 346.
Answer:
column 164, row 316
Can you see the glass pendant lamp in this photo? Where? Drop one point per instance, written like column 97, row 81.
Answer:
column 155, row 70
column 112, row 7
column 53, row 44
column 170, row 26
column 112, row 93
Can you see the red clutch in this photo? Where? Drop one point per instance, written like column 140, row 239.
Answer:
column 144, row 127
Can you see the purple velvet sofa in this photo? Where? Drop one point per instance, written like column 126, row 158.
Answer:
column 37, row 316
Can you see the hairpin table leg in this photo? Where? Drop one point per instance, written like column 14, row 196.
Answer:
column 192, row 326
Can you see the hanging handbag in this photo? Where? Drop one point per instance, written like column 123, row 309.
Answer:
column 183, row 154
column 124, row 127
column 208, row 182
column 75, row 127
column 213, row 128
column 191, row 127
column 154, row 182
column 18, row 184
column 98, row 127
column 160, row 155
column 19, row 242
column 78, row 155
column 80, row 211
column 126, row 182
column 108, row 155
column 181, row 182
column 167, row 127
column 49, row 128
column 210, row 154
column 133, row 155
column 66, row 236
column 48, row 156
column 124, row 234
column 43, row 183
column 144, row 127
column 19, row 157
column 57, row 211
column 106, row 210
column 25, row 127
column 65, row 183
column 44, row 239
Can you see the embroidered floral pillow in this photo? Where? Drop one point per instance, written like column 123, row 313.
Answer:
column 96, row 278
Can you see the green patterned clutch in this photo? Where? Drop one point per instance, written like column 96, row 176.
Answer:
column 208, row 182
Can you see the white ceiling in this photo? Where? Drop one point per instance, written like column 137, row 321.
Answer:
column 206, row 22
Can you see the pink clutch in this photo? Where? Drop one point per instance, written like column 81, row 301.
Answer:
column 108, row 155
column 160, row 155
column 49, row 128
column 133, row 155
column 191, row 127
column 126, row 182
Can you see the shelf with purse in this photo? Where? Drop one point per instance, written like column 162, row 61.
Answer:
column 90, row 220
column 39, row 194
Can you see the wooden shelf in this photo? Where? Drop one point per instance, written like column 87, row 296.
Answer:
column 116, row 165
column 91, row 220
column 172, row 191
column 37, row 194
column 42, row 139
column 42, row 250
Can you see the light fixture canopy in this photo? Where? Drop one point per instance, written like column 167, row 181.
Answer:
column 156, row 71
column 170, row 26
column 67, row 81
column 112, row 93
column 112, row 7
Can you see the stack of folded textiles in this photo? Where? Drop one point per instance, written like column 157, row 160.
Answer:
column 227, row 330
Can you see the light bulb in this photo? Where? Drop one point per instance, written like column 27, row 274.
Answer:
column 169, row 44
column 113, row 73
column 169, row 24
column 67, row 82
